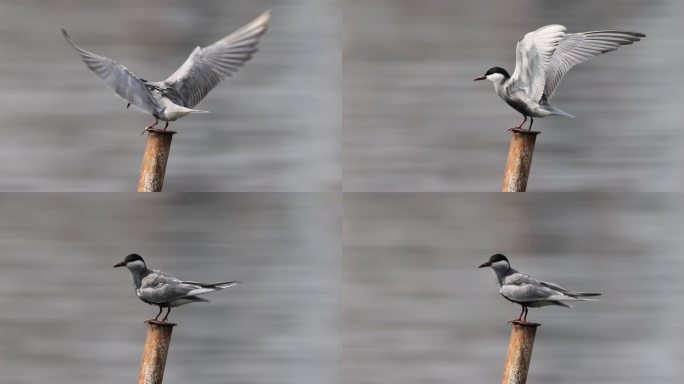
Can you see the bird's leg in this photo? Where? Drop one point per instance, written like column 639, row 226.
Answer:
column 519, row 317
column 526, row 310
column 168, row 310
column 156, row 318
column 531, row 121
column 519, row 126
column 149, row 126
column 166, row 126
column 128, row 105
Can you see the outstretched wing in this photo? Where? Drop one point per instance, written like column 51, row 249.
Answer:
column 533, row 54
column 208, row 66
column 126, row 85
column 576, row 48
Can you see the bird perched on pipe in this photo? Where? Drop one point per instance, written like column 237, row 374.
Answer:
column 177, row 96
column 521, row 289
column 542, row 58
column 155, row 287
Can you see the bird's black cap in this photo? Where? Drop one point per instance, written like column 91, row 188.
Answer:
column 494, row 259
column 129, row 259
column 494, row 70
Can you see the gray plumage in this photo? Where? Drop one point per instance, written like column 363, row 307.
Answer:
column 542, row 59
column 176, row 96
column 163, row 290
column 521, row 289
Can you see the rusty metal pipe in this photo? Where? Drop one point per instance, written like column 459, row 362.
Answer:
column 154, row 354
column 154, row 161
column 519, row 160
column 519, row 352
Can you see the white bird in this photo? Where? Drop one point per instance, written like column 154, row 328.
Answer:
column 521, row 289
column 176, row 96
column 155, row 287
column 542, row 58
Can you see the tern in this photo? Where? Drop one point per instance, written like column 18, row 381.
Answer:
column 542, row 58
column 176, row 96
column 155, row 287
column 521, row 289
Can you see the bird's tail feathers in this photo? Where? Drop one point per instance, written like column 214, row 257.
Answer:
column 222, row 285
column 227, row 284
column 556, row 111
column 182, row 109
column 569, row 297
column 198, row 299
column 583, row 294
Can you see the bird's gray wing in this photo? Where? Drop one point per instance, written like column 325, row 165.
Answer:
column 553, row 286
column 564, row 291
column 124, row 83
column 533, row 54
column 208, row 66
column 576, row 48
column 526, row 292
column 526, row 289
column 202, row 288
column 158, row 287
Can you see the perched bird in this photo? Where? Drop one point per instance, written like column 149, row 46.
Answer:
column 155, row 287
column 542, row 58
column 176, row 96
column 521, row 289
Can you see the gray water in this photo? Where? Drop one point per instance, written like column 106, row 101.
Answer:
column 414, row 120
column 69, row 317
column 416, row 309
column 272, row 127
column 392, row 296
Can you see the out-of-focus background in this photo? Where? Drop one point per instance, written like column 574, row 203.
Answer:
column 414, row 120
column 274, row 126
column 416, row 309
column 68, row 317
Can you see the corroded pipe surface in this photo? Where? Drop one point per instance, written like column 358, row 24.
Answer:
column 519, row 352
column 155, row 351
column 519, row 161
column 154, row 160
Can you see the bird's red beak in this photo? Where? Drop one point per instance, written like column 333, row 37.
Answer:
column 121, row 264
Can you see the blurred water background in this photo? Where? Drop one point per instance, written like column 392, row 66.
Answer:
column 69, row 317
column 272, row 127
column 414, row 120
column 416, row 309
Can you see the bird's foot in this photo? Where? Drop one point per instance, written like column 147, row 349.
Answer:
column 153, row 321
column 150, row 126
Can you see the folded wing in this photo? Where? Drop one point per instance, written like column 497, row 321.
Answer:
column 124, row 83
column 576, row 48
column 208, row 66
column 526, row 292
